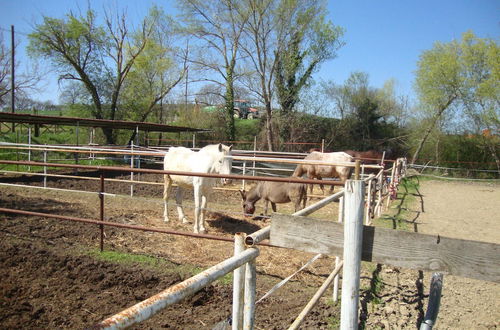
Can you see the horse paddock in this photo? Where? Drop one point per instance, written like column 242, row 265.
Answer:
column 54, row 279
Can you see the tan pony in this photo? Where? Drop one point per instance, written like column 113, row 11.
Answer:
column 274, row 192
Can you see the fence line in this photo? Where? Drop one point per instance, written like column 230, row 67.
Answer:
column 451, row 168
column 456, row 179
column 146, row 308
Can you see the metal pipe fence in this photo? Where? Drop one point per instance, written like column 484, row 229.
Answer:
column 150, row 306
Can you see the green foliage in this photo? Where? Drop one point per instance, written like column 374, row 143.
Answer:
column 307, row 41
column 463, row 76
column 467, row 153
column 438, row 75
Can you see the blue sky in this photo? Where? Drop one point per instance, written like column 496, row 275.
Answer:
column 383, row 38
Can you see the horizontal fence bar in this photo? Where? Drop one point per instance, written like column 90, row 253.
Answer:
column 472, row 259
column 118, row 225
column 174, row 294
column 143, row 170
column 56, row 189
column 159, row 152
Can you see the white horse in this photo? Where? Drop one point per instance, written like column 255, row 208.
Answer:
column 210, row 159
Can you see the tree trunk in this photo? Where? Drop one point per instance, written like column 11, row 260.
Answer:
column 108, row 134
column 269, row 133
column 229, row 107
column 493, row 151
column 430, row 128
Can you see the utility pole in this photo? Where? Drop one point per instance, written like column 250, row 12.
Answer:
column 12, row 80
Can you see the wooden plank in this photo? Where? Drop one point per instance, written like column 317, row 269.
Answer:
column 479, row 260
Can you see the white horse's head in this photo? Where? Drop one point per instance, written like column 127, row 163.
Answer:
column 224, row 162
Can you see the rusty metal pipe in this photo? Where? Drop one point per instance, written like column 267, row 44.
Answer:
column 118, row 225
column 101, row 215
column 147, row 308
column 143, row 170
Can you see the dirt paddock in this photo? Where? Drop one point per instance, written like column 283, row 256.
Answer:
column 53, row 276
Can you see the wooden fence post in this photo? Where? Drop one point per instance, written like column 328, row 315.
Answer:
column 353, row 236
column 368, row 221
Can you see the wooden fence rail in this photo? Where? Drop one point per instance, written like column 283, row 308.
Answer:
column 472, row 259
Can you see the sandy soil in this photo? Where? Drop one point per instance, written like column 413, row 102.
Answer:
column 454, row 209
column 467, row 211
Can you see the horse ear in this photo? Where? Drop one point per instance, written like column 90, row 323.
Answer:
column 230, row 148
column 220, row 147
column 243, row 194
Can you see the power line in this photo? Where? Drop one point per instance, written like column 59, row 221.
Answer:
column 16, row 32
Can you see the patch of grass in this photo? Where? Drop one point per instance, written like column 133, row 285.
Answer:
column 129, row 259
column 333, row 322
column 184, row 270
column 376, row 288
column 404, row 210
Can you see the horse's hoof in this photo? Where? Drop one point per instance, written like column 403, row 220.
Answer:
column 185, row 220
column 202, row 231
column 166, row 220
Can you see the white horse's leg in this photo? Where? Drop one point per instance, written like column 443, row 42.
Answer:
column 166, row 193
column 180, row 210
column 204, row 199
column 197, row 209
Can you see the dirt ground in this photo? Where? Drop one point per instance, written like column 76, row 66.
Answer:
column 465, row 210
column 53, row 279
column 471, row 212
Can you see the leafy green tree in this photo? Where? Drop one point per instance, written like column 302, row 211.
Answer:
column 437, row 84
column 258, row 47
column 306, row 40
column 371, row 116
column 462, row 76
column 99, row 56
column 480, row 92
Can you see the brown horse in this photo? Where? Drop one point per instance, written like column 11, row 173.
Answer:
column 274, row 192
column 367, row 157
column 325, row 171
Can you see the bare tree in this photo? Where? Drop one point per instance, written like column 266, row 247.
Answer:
column 217, row 27
column 285, row 41
column 25, row 81
column 100, row 57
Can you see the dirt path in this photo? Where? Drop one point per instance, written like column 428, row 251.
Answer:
column 467, row 211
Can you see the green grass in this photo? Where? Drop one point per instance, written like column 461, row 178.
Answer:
column 128, row 259
column 403, row 211
column 158, row 264
column 246, row 129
